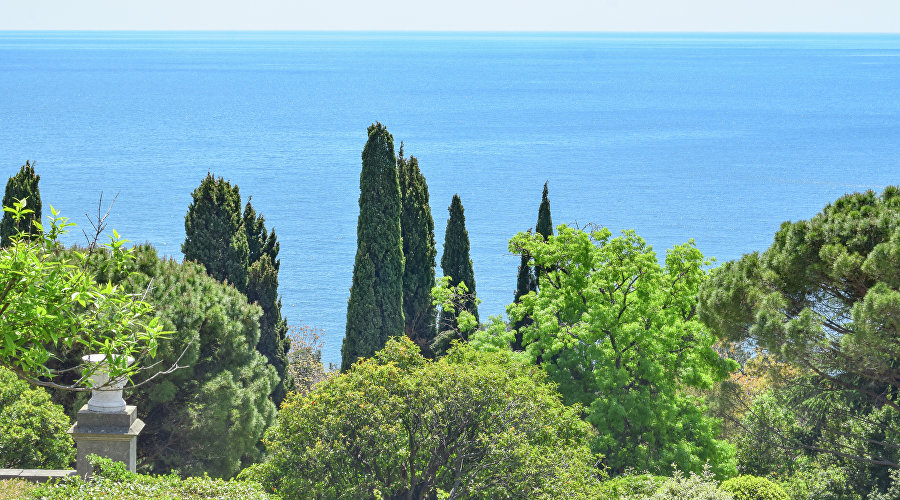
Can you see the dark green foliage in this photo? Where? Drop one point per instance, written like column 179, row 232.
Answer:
column 528, row 278
column 262, row 289
column 419, row 252
column 544, row 225
column 456, row 264
column 753, row 488
column 236, row 248
column 32, row 428
column 210, row 415
column 22, row 186
column 214, row 235
column 398, row 425
column 258, row 242
column 375, row 307
column 113, row 481
column 825, row 298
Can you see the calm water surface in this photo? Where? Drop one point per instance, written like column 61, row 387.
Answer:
column 718, row 138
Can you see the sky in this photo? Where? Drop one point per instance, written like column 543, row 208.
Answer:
column 854, row 16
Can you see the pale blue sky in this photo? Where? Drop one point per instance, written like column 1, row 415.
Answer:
column 456, row 15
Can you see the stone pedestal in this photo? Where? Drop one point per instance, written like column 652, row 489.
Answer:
column 108, row 434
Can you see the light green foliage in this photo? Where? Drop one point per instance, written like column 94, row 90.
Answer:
column 453, row 301
column 417, row 228
column 375, row 307
column 21, row 187
column 470, row 425
column 15, row 489
column 112, row 481
column 819, row 481
column 50, row 304
column 209, row 416
column 753, row 488
column 693, row 486
column 528, row 278
column 628, row 486
column 456, row 264
column 617, row 332
column 32, row 428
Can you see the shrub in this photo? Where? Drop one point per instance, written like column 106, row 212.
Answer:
column 113, row 481
column 630, row 486
column 753, row 488
column 477, row 424
column 694, row 487
column 14, row 489
column 32, row 428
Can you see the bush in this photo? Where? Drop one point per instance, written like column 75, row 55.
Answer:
column 753, row 488
column 693, row 487
column 478, row 424
column 113, row 481
column 630, row 486
column 32, row 428
column 14, row 489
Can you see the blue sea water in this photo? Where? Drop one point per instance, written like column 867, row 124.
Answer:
column 715, row 137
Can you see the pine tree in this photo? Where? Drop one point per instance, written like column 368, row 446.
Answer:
column 456, row 263
column 419, row 252
column 214, row 233
column 22, row 186
column 236, row 248
column 528, row 277
column 375, row 307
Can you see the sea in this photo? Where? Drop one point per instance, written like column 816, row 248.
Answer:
column 715, row 138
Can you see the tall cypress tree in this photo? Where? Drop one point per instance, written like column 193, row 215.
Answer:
column 456, row 263
column 419, row 252
column 214, row 233
column 375, row 307
column 262, row 288
column 236, row 248
column 528, row 277
column 22, row 186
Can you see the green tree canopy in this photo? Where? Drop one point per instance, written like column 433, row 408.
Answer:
column 528, row 278
column 824, row 298
column 214, row 233
column 456, row 263
column 235, row 247
column 32, row 428
column 21, row 187
column 471, row 425
column 208, row 416
column 417, row 229
column 375, row 307
column 617, row 332
column 50, row 305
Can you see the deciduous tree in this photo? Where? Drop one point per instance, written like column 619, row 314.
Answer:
column 617, row 331
column 470, row 425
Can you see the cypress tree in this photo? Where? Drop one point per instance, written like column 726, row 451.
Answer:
column 214, row 233
column 528, row 278
column 375, row 307
column 22, row 186
column 236, row 248
column 262, row 289
column 456, row 263
column 419, row 252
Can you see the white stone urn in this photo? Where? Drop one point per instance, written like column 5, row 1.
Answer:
column 108, row 398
